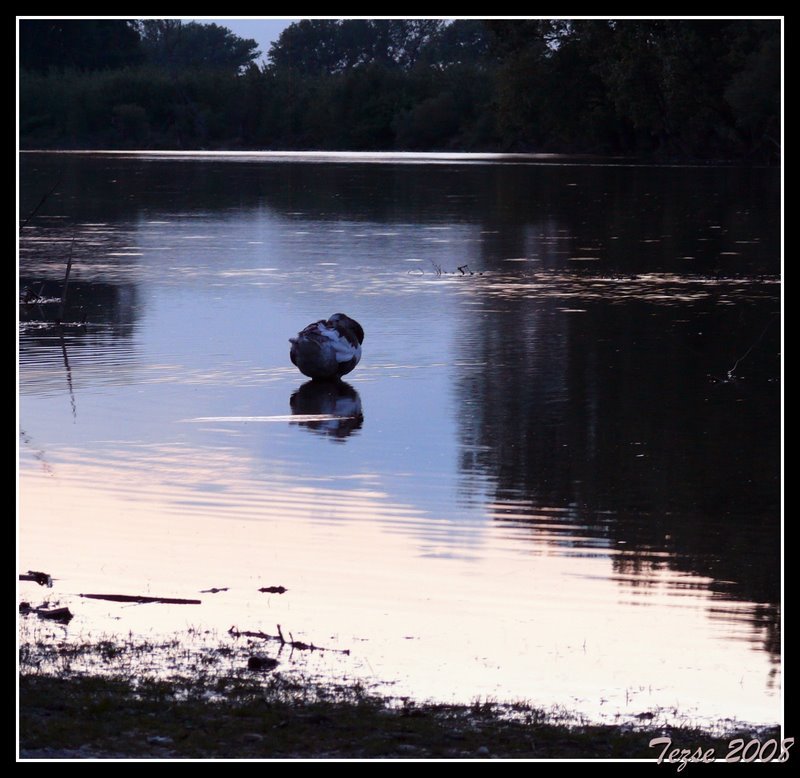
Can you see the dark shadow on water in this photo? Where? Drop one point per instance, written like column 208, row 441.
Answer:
column 607, row 429
column 329, row 408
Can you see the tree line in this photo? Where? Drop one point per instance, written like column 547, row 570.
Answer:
column 670, row 89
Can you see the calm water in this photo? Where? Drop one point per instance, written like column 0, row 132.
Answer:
column 554, row 476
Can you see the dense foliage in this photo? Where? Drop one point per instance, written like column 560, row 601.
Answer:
column 668, row 88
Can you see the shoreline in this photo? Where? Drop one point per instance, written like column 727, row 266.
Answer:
column 105, row 718
column 102, row 701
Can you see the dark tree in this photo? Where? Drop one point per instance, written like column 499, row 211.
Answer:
column 402, row 41
column 320, row 46
column 522, row 48
column 753, row 92
column 462, row 42
column 675, row 89
column 84, row 44
column 688, row 86
column 328, row 46
column 171, row 43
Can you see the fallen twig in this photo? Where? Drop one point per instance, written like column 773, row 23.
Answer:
column 43, row 579
column 141, row 599
column 292, row 643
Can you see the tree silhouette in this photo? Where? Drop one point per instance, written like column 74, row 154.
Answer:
column 85, row 44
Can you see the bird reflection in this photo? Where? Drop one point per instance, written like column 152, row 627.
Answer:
column 331, row 408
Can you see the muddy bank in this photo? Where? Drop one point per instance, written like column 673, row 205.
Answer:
column 102, row 718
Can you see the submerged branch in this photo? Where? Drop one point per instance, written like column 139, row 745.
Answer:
column 66, row 282
column 39, row 204
column 730, row 374
column 67, row 369
column 292, row 643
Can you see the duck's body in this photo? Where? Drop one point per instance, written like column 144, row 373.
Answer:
column 329, row 348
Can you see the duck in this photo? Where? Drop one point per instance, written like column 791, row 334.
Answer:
column 329, row 348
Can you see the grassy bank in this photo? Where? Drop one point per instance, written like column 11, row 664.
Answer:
column 198, row 694
column 126, row 699
column 85, row 717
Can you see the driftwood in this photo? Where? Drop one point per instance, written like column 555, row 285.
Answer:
column 141, row 599
column 43, row 579
column 273, row 589
column 292, row 643
column 54, row 614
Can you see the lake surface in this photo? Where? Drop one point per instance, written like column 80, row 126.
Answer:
column 555, row 475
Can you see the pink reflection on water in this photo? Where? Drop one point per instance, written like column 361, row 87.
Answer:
column 441, row 618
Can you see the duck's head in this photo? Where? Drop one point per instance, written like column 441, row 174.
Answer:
column 346, row 325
